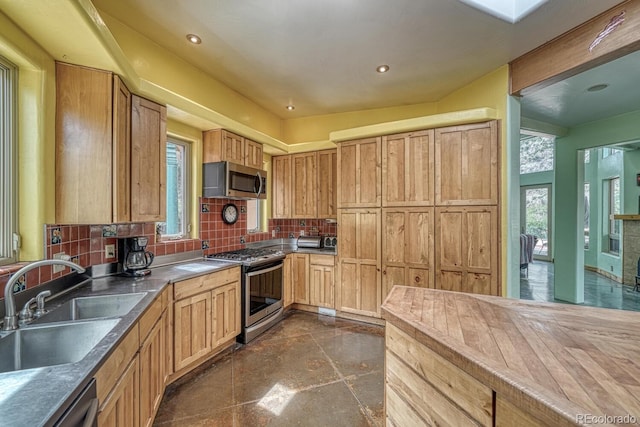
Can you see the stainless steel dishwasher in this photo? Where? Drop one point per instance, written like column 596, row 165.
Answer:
column 83, row 412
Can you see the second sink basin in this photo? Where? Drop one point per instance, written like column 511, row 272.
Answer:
column 93, row 307
column 48, row 345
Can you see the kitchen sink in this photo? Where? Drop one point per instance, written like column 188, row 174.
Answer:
column 93, row 307
column 49, row 345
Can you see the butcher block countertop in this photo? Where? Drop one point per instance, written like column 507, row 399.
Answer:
column 560, row 362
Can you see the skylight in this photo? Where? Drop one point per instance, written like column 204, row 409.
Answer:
column 511, row 11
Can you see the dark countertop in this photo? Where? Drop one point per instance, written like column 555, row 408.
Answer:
column 36, row 397
column 556, row 360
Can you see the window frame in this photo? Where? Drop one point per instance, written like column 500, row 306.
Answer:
column 186, row 184
column 9, row 237
column 611, row 210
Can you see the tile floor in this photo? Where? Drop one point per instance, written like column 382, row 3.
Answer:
column 308, row 370
column 598, row 290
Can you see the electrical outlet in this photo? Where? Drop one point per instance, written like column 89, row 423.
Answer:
column 302, row 232
column 109, row 251
column 58, row 268
column 273, row 233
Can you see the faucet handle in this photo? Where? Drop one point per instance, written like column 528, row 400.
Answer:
column 40, row 310
column 26, row 314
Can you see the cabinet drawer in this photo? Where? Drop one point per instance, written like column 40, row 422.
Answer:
column 150, row 317
column 207, row 282
column 112, row 369
column 315, row 259
column 443, row 376
column 220, row 278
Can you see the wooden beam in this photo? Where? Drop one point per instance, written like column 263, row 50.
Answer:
column 608, row 36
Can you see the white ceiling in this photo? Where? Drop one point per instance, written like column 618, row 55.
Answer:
column 321, row 55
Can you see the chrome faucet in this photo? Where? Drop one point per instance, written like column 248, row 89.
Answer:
column 10, row 316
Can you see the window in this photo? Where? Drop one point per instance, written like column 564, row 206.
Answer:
column 8, row 169
column 613, row 207
column 587, row 156
column 536, row 153
column 587, row 205
column 177, row 225
column 606, row 152
column 253, row 215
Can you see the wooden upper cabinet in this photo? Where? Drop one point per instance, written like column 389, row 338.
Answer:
column 252, row 154
column 281, row 187
column 221, row 145
column 327, row 183
column 121, row 151
column 407, row 169
column 407, row 248
column 467, row 249
column 84, row 145
column 304, row 185
column 148, row 160
column 466, row 164
column 359, row 169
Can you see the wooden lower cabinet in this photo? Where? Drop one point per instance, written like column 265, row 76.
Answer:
column 121, row 409
column 300, row 277
column 359, row 259
column 287, row 278
column 152, row 375
column 206, row 315
column 407, row 248
column 192, row 333
column 225, row 315
column 321, row 280
column 467, row 249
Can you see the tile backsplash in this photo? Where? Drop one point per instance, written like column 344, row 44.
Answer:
column 85, row 244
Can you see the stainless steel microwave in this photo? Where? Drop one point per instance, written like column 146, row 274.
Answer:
column 232, row 181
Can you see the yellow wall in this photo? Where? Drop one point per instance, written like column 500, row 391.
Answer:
column 36, row 109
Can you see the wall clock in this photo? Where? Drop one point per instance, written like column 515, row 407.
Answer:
column 230, row 213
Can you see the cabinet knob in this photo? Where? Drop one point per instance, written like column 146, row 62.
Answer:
column 384, row 272
column 417, row 279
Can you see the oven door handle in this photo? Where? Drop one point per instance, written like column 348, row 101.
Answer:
column 266, row 270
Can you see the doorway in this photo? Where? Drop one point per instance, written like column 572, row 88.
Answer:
column 535, row 218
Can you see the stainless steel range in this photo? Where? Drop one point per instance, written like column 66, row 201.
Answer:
column 262, row 288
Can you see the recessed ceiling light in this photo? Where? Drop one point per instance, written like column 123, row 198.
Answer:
column 382, row 68
column 194, row 39
column 290, row 107
column 597, row 88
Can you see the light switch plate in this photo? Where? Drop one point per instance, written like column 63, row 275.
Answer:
column 58, row 268
column 109, row 251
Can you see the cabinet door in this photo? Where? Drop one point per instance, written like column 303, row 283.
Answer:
column 407, row 248
column 121, row 409
column 233, row 147
column 287, row 298
column 281, row 187
column 192, row 332
column 359, row 169
column 407, row 169
column 304, row 186
column 300, row 276
column 148, row 160
column 321, row 286
column 467, row 249
column 466, row 164
column 225, row 315
column 152, row 373
column 359, row 261
column 83, row 145
column 121, row 151
column 252, row 154
column 167, row 324
column 327, row 183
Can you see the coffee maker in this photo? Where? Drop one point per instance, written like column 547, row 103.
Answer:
column 133, row 256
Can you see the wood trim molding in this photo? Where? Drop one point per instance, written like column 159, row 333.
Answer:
column 608, row 36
